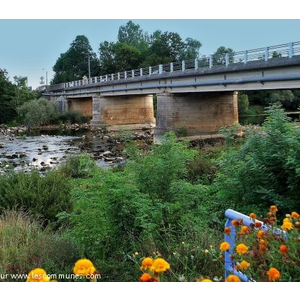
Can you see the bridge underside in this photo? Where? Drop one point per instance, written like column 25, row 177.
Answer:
column 195, row 114
column 123, row 112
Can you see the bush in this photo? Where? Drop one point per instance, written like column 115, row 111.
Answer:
column 43, row 197
column 38, row 112
column 73, row 116
column 24, row 245
column 78, row 166
column 265, row 169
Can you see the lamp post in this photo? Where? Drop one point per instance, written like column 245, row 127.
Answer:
column 46, row 76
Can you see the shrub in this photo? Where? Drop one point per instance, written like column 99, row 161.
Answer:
column 24, row 245
column 78, row 166
column 265, row 169
column 43, row 197
column 73, row 116
column 38, row 112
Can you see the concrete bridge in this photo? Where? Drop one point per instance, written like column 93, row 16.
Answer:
column 198, row 96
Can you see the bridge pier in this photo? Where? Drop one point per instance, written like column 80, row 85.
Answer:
column 195, row 114
column 123, row 112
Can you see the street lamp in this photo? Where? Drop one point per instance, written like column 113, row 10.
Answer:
column 46, row 77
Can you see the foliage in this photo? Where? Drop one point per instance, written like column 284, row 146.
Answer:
column 73, row 64
column 265, row 169
column 25, row 245
column 43, row 197
column 79, row 166
column 243, row 104
column 72, row 117
column 38, row 112
column 220, row 54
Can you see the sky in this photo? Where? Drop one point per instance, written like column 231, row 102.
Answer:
column 30, row 46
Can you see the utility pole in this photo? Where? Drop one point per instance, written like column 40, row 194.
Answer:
column 89, row 66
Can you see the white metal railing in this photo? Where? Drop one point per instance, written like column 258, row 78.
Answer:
column 288, row 50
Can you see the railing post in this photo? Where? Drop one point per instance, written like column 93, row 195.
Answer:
column 106, row 78
column 132, row 73
column 266, row 53
column 245, row 56
column 196, row 64
column 96, row 79
column 112, row 76
column 171, row 67
column 160, row 69
column 125, row 74
column 291, row 45
column 210, row 61
column 150, row 70
column 141, row 71
column 119, row 76
column 183, row 66
column 226, row 59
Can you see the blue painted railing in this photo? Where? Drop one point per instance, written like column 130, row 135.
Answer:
column 231, row 215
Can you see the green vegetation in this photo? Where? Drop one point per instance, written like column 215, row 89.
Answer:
column 167, row 201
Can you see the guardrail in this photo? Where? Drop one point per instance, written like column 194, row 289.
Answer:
column 206, row 62
column 231, row 215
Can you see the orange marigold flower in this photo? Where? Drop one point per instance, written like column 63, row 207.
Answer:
column 241, row 249
column 160, row 265
column 227, row 230
column 147, row 278
column 233, row 278
column 38, row 275
column 84, row 267
column 237, row 222
column 294, row 215
column 244, row 265
column 224, row 246
column 252, row 216
column 273, row 274
column 262, row 249
column 287, row 225
column 260, row 234
column 146, row 263
column 283, row 249
column 263, row 242
column 258, row 224
column 245, row 230
column 273, row 209
column 272, row 220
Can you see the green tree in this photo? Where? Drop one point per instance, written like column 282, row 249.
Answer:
column 7, row 111
column 165, row 47
column 132, row 35
column 220, row 54
column 191, row 49
column 73, row 64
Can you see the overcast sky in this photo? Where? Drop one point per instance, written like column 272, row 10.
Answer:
column 30, row 47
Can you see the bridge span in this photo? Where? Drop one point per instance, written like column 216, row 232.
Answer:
column 199, row 96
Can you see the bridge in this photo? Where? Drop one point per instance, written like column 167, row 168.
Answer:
column 198, row 96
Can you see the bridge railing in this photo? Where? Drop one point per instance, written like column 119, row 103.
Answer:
column 231, row 215
column 205, row 62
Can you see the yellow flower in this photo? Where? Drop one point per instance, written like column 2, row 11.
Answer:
column 206, row 280
column 233, row 278
column 273, row 274
column 84, row 267
column 147, row 278
column 252, row 216
column 224, row 246
column 38, row 275
column 206, row 251
column 244, row 265
column 241, row 249
column 159, row 265
column 294, row 215
column 146, row 263
column 287, row 225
